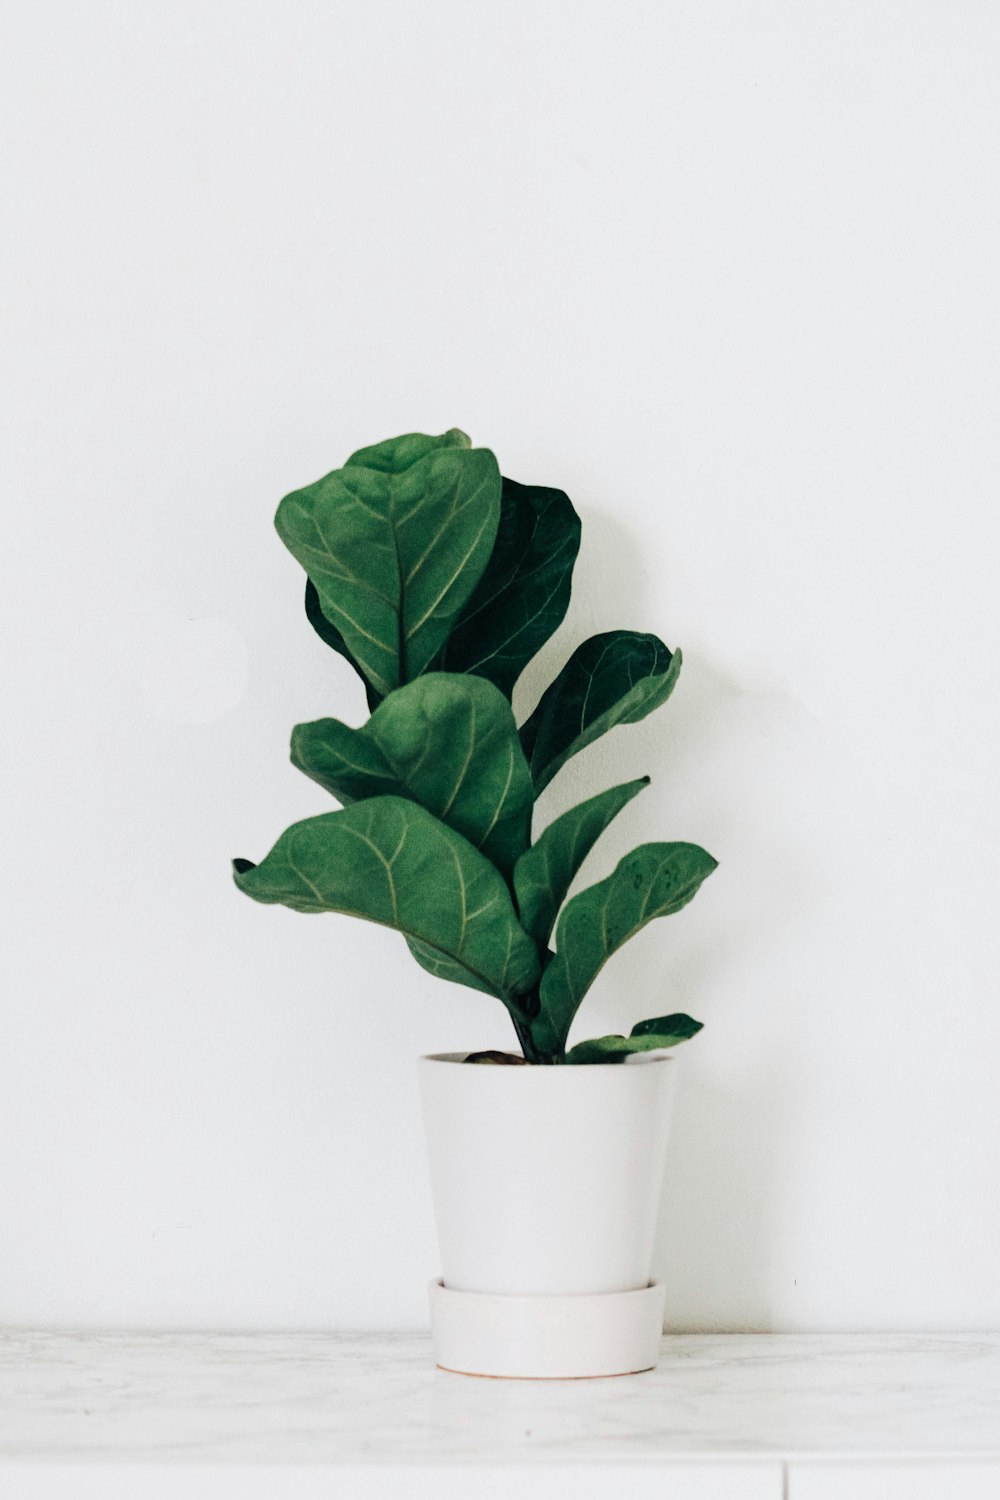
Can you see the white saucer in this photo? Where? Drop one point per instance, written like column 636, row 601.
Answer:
column 547, row 1338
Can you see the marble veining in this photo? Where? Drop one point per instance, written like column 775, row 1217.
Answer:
column 352, row 1399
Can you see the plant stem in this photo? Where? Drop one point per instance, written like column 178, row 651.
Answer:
column 532, row 1053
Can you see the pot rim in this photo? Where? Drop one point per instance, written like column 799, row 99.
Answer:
column 636, row 1059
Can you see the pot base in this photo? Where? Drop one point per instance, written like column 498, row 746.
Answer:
column 546, row 1338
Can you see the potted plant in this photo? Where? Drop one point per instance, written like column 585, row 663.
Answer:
column 438, row 580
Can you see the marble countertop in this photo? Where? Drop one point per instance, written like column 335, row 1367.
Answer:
column 313, row 1399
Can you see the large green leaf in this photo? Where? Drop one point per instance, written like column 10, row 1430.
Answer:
column 333, row 638
column 655, row 880
column 649, row 1036
column 443, row 967
column 448, row 742
column 524, row 592
column 395, row 552
column 398, row 453
column 615, row 678
column 392, row 862
column 545, row 872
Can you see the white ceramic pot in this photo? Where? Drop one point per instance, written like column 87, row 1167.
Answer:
column 546, row 1185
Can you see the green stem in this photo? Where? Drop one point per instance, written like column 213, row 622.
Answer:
column 532, row 1053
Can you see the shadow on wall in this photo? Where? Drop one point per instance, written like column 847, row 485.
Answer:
column 720, row 1216
column 748, row 762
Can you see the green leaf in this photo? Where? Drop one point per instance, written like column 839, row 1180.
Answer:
column 395, row 551
column 655, row 880
column 443, row 967
column 391, row 861
column 648, row 1036
column 680, row 1027
column 333, row 638
column 396, row 454
column 615, row 678
column 449, row 743
column 524, row 592
column 545, row 872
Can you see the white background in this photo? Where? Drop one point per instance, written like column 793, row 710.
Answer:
column 727, row 273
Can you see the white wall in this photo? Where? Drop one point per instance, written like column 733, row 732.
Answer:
column 727, row 274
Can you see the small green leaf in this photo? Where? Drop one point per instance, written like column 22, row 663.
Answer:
column 448, row 742
column 648, row 1036
column 395, row 551
column 655, row 880
column 545, row 872
column 524, row 592
column 680, row 1027
column 392, row 862
column 333, row 638
column 615, row 678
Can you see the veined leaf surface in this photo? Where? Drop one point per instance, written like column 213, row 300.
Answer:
column 545, row 872
column 655, row 880
column 391, row 457
column 524, row 592
column 398, row 453
column 395, row 552
column 442, row 967
column 615, row 678
column 390, row 861
column 447, row 741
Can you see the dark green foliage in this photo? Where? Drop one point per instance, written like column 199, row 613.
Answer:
column 333, row 638
column 615, row 678
column 438, row 582
column 524, row 592
column 448, row 742
column 655, row 880
column 395, row 552
column 391, row 861
column 648, row 1036
column 544, row 873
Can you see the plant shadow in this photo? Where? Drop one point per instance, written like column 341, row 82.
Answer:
column 717, row 1234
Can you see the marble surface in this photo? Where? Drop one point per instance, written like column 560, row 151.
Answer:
column 357, row 1399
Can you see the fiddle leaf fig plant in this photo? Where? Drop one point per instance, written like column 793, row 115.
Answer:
column 438, row 580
